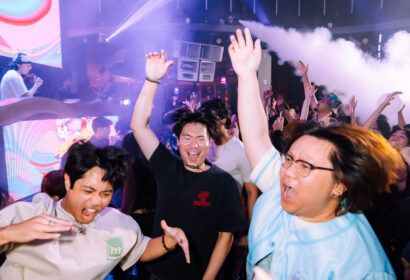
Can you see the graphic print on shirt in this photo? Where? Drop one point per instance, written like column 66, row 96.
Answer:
column 202, row 200
column 114, row 248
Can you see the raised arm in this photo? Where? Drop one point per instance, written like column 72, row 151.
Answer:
column 350, row 109
column 400, row 118
column 307, row 86
column 310, row 91
column 246, row 57
column 373, row 117
column 155, row 69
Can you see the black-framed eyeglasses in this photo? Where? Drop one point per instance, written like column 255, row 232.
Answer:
column 303, row 168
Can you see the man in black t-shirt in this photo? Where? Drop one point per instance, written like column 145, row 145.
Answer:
column 196, row 196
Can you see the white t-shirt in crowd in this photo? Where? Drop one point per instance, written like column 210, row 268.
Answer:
column 12, row 85
column 231, row 158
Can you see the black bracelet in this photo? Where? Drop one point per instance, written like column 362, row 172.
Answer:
column 152, row 80
column 165, row 246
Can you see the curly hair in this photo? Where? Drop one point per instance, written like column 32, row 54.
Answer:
column 363, row 161
column 183, row 116
column 82, row 156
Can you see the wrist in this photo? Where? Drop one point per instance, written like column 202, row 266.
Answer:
column 152, row 80
column 168, row 243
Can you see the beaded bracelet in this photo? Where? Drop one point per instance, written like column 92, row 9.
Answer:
column 165, row 246
column 152, row 80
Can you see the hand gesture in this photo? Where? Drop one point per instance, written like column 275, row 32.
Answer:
column 39, row 227
column 302, row 68
column 179, row 236
column 38, row 82
column 350, row 107
column 278, row 123
column 267, row 93
column 157, row 65
column 310, row 90
column 389, row 98
column 245, row 56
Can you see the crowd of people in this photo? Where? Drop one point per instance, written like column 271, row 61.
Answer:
column 276, row 192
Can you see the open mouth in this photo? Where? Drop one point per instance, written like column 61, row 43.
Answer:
column 88, row 214
column 288, row 193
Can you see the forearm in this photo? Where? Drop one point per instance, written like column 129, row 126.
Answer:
column 33, row 90
column 373, row 117
column 155, row 248
column 4, row 236
column 353, row 119
column 252, row 193
column 305, row 110
column 140, row 118
column 252, row 119
column 221, row 250
column 400, row 120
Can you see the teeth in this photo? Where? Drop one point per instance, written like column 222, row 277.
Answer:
column 90, row 210
column 193, row 154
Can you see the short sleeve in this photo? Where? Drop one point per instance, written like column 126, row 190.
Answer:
column 230, row 213
column 139, row 247
column 266, row 172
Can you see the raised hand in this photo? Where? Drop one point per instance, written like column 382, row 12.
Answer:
column 278, row 123
column 39, row 227
column 245, row 55
column 350, row 107
column 38, row 82
column 267, row 93
column 390, row 98
column 157, row 65
column 310, row 90
column 302, row 68
column 179, row 236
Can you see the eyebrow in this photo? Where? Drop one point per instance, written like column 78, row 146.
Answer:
column 93, row 189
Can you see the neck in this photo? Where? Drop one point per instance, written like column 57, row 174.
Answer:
column 196, row 168
column 224, row 137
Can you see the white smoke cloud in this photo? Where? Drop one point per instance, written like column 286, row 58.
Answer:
column 342, row 67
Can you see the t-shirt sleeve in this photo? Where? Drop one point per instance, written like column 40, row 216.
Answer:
column 161, row 160
column 139, row 247
column 230, row 214
column 244, row 167
column 266, row 172
column 18, row 85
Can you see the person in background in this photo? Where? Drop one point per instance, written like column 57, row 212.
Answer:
column 12, row 84
column 53, row 184
column 101, row 127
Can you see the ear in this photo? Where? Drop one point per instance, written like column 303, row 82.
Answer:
column 339, row 189
column 67, row 182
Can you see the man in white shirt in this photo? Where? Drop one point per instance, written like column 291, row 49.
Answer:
column 227, row 152
column 12, row 84
column 79, row 237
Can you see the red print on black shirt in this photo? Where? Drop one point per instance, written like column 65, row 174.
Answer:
column 202, row 200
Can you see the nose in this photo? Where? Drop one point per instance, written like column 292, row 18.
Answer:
column 291, row 171
column 97, row 200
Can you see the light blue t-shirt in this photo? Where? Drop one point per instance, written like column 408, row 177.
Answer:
column 345, row 247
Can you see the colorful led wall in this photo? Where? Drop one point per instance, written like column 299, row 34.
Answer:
column 34, row 148
column 33, row 27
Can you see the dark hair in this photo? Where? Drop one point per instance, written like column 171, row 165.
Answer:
column 4, row 197
column 53, row 184
column 18, row 60
column 220, row 109
column 363, row 161
column 183, row 116
column 383, row 126
column 100, row 122
column 131, row 146
column 406, row 131
column 82, row 156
